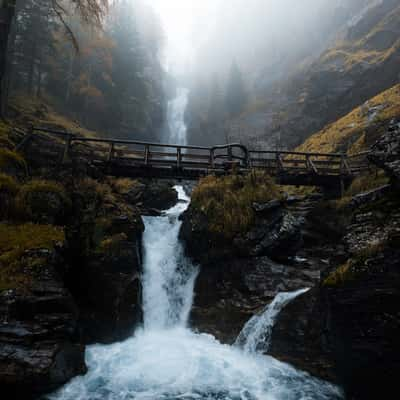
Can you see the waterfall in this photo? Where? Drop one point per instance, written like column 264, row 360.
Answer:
column 176, row 117
column 165, row 359
column 168, row 276
column 257, row 331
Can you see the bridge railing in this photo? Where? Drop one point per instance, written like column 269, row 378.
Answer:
column 132, row 153
column 300, row 162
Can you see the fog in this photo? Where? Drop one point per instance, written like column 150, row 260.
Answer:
column 206, row 36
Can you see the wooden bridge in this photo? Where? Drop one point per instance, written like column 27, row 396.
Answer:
column 129, row 158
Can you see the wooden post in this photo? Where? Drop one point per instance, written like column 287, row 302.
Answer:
column 110, row 153
column 66, row 149
column 146, row 155
column 229, row 153
column 279, row 164
column 212, row 158
column 179, row 157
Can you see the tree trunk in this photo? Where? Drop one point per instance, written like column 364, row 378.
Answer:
column 7, row 8
column 31, row 71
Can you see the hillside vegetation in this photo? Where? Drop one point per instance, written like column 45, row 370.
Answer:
column 360, row 128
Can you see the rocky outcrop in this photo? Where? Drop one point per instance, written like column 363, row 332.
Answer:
column 152, row 195
column 39, row 341
column 346, row 329
column 274, row 228
column 104, row 248
column 300, row 336
column 386, row 153
column 240, row 276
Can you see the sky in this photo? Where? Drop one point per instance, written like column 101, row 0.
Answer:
column 185, row 24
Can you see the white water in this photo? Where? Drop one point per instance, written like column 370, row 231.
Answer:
column 257, row 331
column 166, row 360
column 175, row 117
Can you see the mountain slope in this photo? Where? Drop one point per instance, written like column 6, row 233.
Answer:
column 359, row 129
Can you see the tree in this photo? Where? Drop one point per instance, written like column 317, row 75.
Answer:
column 90, row 12
column 235, row 93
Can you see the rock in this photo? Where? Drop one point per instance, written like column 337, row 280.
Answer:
column 364, row 326
column 228, row 296
column 105, row 249
column 370, row 196
column 154, row 194
column 262, row 207
column 299, row 336
column 385, row 153
column 39, row 344
column 109, row 293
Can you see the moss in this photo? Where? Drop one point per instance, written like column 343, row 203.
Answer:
column 362, row 184
column 111, row 244
column 340, row 276
column 354, row 267
column 12, row 161
column 40, row 198
column 15, row 240
column 5, row 141
column 123, row 185
column 8, row 184
column 227, row 201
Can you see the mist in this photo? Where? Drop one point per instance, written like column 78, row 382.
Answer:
column 205, row 37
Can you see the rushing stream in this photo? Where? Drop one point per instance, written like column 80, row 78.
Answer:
column 166, row 360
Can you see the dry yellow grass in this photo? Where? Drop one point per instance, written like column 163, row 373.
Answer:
column 227, row 201
column 348, row 133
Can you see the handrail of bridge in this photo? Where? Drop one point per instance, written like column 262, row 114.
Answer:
column 215, row 157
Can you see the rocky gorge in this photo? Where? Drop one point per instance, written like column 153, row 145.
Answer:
column 76, row 277
column 347, row 251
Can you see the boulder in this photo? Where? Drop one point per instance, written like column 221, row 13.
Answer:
column 39, row 341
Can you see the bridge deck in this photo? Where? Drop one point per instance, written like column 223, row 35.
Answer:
column 144, row 159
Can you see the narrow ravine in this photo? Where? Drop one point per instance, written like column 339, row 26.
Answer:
column 165, row 359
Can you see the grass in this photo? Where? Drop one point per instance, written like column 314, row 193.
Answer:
column 33, row 198
column 355, row 132
column 363, row 184
column 10, row 160
column 227, row 201
column 354, row 267
column 15, row 240
column 8, row 184
column 39, row 112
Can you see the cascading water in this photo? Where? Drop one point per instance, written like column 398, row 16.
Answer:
column 257, row 331
column 165, row 360
column 175, row 117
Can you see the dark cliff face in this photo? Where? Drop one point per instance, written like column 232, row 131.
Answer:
column 39, row 342
column 241, row 275
column 351, row 322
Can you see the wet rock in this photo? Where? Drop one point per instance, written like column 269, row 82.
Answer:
column 39, row 344
column 300, row 338
column 156, row 194
column 228, row 296
column 105, row 249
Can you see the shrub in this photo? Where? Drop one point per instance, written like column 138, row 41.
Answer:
column 8, row 190
column 12, row 163
column 227, row 201
column 42, row 201
column 15, row 240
